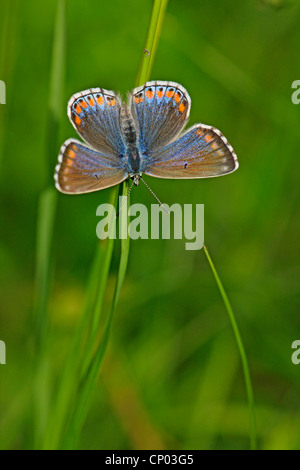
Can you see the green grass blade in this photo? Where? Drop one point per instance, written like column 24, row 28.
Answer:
column 249, row 389
column 45, row 224
column 48, row 197
column 83, row 343
column 152, row 50
column 92, row 369
column 157, row 17
column 125, row 244
column 57, row 80
column 95, row 311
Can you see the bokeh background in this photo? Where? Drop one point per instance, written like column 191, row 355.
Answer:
column 172, row 376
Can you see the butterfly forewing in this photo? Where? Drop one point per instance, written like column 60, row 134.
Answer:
column 201, row 152
column 160, row 110
column 95, row 114
column 81, row 169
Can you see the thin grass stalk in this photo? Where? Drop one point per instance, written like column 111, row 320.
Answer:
column 91, row 371
column 157, row 17
column 96, row 312
column 48, row 197
column 45, row 225
column 152, row 50
column 240, row 345
column 72, row 371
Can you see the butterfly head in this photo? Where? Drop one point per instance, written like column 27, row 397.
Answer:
column 136, row 178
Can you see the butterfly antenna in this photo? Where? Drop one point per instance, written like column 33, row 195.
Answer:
column 125, row 200
column 155, row 196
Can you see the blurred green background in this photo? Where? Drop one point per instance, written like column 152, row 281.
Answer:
column 172, row 377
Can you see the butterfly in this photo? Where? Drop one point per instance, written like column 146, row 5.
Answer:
column 143, row 135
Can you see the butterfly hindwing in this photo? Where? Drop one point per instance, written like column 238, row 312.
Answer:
column 201, row 152
column 160, row 110
column 95, row 114
column 81, row 169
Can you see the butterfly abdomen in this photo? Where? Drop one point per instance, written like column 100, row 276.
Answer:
column 132, row 157
column 127, row 126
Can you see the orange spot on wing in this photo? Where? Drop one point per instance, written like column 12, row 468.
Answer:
column 78, row 109
column 149, row 94
column 177, row 97
column 200, row 132
column 100, row 100
column 214, row 146
column 113, row 102
column 71, row 155
column 139, row 98
column 91, row 102
column 159, row 93
column 181, row 108
column 83, row 104
column 170, row 94
column 208, row 138
column 77, row 120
